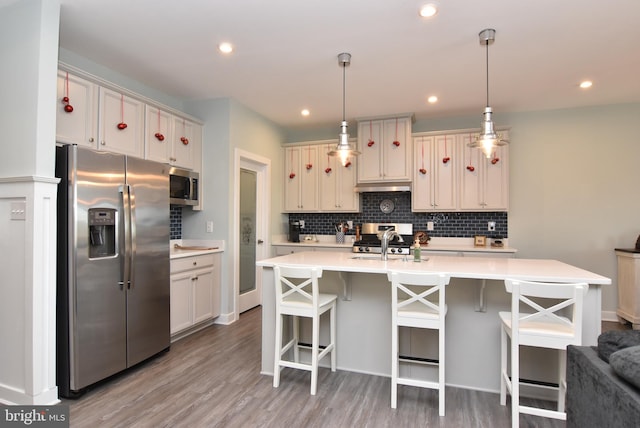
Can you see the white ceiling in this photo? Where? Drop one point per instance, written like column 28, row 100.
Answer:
column 286, row 53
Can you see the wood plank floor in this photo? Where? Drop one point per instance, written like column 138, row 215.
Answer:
column 212, row 379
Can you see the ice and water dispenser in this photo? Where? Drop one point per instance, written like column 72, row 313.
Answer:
column 102, row 232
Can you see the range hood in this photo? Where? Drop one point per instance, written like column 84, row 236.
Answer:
column 404, row 186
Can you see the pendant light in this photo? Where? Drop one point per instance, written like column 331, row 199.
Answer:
column 344, row 149
column 488, row 140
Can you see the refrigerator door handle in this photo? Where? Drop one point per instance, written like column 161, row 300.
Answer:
column 126, row 200
column 133, row 242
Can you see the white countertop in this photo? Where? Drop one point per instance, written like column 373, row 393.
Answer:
column 200, row 247
column 435, row 244
column 459, row 267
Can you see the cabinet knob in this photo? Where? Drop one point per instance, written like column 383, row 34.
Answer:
column 195, row 263
column 195, row 278
column 104, row 143
column 91, row 140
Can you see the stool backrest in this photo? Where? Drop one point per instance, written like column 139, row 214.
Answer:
column 418, row 291
column 546, row 304
column 297, row 283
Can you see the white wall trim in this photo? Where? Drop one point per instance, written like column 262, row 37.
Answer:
column 262, row 164
column 28, row 294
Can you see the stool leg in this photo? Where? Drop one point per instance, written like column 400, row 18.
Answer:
column 515, row 385
column 278, row 348
column 333, row 336
column 562, row 367
column 441, row 370
column 296, row 337
column 314, row 353
column 394, row 365
column 503, row 366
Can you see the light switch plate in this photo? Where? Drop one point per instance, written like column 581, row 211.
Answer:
column 19, row 210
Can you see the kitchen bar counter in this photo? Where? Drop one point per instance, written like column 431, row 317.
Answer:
column 472, row 336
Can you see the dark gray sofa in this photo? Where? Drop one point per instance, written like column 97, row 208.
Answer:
column 596, row 396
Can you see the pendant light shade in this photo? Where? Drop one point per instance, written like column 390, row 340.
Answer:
column 344, row 149
column 487, row 140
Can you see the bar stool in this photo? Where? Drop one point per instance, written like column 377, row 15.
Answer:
column 417, row 300
column 539, row 326
column 297, row 295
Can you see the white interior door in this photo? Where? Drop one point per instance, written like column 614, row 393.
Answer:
column 252, row 218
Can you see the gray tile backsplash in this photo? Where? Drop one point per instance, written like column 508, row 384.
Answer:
column 175, row 220
column 449, row 224
column 452, row 225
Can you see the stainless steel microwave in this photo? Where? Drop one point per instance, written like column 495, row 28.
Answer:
column 183, row 187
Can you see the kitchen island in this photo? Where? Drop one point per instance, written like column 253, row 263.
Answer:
column 472, row 324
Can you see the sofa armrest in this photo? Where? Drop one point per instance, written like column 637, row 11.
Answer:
column 596, row 396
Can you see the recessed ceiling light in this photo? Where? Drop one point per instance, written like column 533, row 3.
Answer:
column 429, row 10
column 586, row 84
column 225, row 47
column 305, row 112
column 432, row 99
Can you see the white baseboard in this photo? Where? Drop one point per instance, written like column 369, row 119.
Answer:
column 609, row 316
column 226, row 319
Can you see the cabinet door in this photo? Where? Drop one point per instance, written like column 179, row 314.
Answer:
column 301, row 179
column 336, row 187
column 181, row 296
column 471, row 197
column 370, row 145
column 396, row 149
column 423, row 174
column 292, row 202
column 309, row 181
column 80, row 125
column 446, row 156
column 347, row 199
column 116, row 109
column 435, row 188
column 184, row 142
column 158, row 135
column 496, row 180
column 486, row 187
column 202, row 295
column 328, row 182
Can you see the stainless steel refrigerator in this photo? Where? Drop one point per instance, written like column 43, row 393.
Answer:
column 113, row 264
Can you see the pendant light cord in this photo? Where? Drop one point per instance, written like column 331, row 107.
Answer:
column 344, row 103
column 487, row 45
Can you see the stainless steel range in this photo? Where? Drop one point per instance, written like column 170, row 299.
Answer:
column 371, row 238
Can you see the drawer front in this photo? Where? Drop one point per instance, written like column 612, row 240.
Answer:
column 189, row 263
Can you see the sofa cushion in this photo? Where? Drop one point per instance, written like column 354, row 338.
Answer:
column 626, row 364
column 615, row 340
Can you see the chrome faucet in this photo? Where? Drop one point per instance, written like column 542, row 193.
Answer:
column 386, row 237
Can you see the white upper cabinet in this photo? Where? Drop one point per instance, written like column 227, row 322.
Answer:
column 484, row 182
column 185, row 146
column 337, row 183
column 77, row 114
column 301, row 179
column 121, row 123
column 158, row 134
column 436, row 165
column 385, row 145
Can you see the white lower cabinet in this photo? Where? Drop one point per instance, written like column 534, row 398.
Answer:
column 195, row 291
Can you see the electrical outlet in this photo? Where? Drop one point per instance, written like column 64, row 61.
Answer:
column 301, row 224
column 350, row 224
column 429, row 225
column 491, row 226
column 209, row 226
